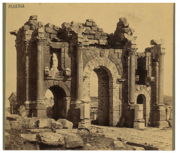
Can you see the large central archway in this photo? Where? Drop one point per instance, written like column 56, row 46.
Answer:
column 109, row 104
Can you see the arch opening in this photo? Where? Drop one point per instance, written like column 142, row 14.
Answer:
column 100, row 96
column 55, row 102
column 141, row 99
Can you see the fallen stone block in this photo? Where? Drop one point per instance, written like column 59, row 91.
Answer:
column 50, row 138
column 29, row 137
column 44, row 123
column 30, row 123
column 73, row 141
column 120, row 145
column 16, row 125
column 56, row 125
column 66, row 124
column 13, row 117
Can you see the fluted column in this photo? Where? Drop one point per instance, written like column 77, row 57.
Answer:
column 132, row 77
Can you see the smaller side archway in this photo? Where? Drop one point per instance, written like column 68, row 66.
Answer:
column 141, row 99
column 57, row 100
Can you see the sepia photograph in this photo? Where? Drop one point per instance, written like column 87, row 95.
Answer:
column 88, row 76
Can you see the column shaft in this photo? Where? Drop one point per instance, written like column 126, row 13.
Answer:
column 132, row 78
column 157, row 81
column 40, row 71
column 27, row 70
column 79, row 75
column 161, row 79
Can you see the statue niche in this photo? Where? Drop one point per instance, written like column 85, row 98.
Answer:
column 54, row 65
column 54, row 62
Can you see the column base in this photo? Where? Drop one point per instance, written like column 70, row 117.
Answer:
column 159, row 119
column 162, row 124
column 139, row 124
column 84, row 123
column 41, row 109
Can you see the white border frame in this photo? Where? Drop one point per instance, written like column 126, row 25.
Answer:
column 176, row 47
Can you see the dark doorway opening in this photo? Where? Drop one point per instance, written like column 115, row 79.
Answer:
column 57, row 107
column 102, row 109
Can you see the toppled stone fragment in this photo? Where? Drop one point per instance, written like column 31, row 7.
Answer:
column 29, row 137
column 73, row 141
column 50, row 138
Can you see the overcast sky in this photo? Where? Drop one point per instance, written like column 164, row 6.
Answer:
column 150, row 21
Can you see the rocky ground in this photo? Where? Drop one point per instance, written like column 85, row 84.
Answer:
column 48, row 134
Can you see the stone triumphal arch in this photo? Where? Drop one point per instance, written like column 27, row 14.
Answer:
column 61, row 58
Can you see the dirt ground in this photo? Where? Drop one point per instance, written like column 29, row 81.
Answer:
column 149, row 139
column 160, row 138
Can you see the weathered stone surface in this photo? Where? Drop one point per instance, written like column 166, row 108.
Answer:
column 66, row 124
column 56, row 125
column 29, row 137
column 16, row 125
column 7, row 125
column 50, row 138
column 30, row 123
column 22, row 111
column 73, row 141
column 12, row 117
column 44, row 123
column 120, row 145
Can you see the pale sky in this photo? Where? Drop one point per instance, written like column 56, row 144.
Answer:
column 150, row 21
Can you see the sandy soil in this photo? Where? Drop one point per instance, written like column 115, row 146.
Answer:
column 160, row 138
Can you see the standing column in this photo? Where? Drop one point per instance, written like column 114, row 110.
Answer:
column 132, row 77
column 160, row 117
column 27, row 71
column 41, row 109
column 82, row 102
column 79, row 75
column 157, row 81
column 161, row 79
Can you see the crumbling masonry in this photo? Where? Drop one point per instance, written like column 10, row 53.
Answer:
column 130, row 83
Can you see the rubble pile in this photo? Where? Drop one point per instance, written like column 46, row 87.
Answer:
column 85, row 34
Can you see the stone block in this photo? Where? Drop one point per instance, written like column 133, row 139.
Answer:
column 29, row 137
column 88, row 23
column 102, row 42
column 26, row 27
column 44, row 123
column 66, row 124
column 50, row 138
column 17, row 125
column 139, row 124
column 73, row 141
column 56, row 125
column 50, row 30
column 33, row 17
